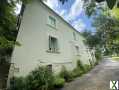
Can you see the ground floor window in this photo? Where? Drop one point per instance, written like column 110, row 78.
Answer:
column 77, row 50
column 49, row 67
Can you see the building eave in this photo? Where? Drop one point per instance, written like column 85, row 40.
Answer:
column 60, row 17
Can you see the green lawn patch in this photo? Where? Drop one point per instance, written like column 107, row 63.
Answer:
column 115, row 58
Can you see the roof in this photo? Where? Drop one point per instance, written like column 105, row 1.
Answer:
column 59, row 16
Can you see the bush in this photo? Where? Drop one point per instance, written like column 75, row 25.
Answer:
column 17, row 83
column 40, row 79
column 87, row 67
column 98, row 55
column 80, row 69
column 59, row 82
column 77, row 72
column 80, row 65
column 67, row 75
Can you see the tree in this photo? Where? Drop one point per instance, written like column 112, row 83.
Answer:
column 92, row 40
column 115, row 13
column 7, row 27
column 91, row 6
column 109, row 29
column 8, row 24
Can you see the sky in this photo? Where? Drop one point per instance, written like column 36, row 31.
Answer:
column 72, row 11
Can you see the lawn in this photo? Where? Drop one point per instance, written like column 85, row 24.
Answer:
column 115, row 58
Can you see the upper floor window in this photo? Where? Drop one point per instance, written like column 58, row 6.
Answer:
column 53, row 44
column 52, row 21
column 74, row 35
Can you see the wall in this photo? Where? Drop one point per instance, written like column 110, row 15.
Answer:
column 33, row 37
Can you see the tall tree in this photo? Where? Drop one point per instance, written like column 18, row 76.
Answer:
column 8, row 23
column 91, row 5
column 109, row 29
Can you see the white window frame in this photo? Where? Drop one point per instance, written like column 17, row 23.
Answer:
column 52, row 21
column 53, row 48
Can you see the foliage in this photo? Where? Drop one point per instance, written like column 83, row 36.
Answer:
column 110, row 3
column 7, row 24
column 115, row 13
column 81, row 69
column 87, row 68
column 43, row 79
column 92, row 40
column 80, row 65
column 91, row 5
column 17, row 83
column 98, row 55
column 59, row 82
column 106, row 37
column 67, row 75
column 39, row 79
column 77, row 72
column 107, row 27
column 8, row 30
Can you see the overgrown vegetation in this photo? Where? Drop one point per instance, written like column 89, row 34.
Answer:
column 59, row 82
column 81, row 69
column 67, row 75
column 39, row 79
column 43, row 79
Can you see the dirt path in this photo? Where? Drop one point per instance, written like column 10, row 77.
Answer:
column 98, row 78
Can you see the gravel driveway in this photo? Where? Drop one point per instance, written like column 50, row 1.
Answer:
column 98, row 78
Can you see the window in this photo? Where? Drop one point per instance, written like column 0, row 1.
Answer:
column 74, row 35
column 49, row 67
column 53, row 44
column 52, row 21
column 77, row 50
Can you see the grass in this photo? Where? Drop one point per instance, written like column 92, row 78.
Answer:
column 115, row 58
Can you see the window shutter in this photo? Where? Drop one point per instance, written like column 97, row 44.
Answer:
column 49, row 42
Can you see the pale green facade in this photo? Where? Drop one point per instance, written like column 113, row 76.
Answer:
column 34, row 35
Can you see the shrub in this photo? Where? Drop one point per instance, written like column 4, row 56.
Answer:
column 80, row 69
column 17, row 83
column 80, row 65
column 87, row 67
column 77, row 72
column 67, row 75
column 40, row 79
column 98, row 55
column 59, row 82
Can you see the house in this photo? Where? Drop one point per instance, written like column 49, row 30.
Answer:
column 46, row 39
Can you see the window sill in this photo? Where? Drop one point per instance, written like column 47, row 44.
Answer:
column 52, row 26
column 78, row 55
column 50, row 51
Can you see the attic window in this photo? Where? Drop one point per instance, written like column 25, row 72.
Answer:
column 52, row 21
